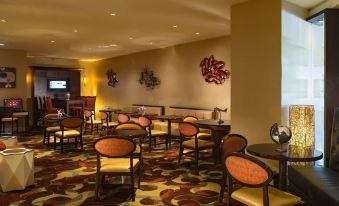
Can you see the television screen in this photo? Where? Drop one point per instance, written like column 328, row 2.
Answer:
column 57, row 84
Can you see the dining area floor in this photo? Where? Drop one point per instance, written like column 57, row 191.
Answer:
column 69, row 179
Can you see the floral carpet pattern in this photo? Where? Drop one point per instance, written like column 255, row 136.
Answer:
column 69, row 179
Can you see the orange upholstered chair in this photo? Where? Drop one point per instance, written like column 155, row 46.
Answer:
column 91, row 122
column 105, row 123
column 152, row 133
column 204, row 134
column 50, row 127
column 70, row 127
column 255, row 177
column 231, row 143
column 115, row 157
column 189, row 140
column 123, row 118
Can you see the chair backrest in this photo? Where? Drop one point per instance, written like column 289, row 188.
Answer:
column 129, row 125
column 6, row 112
column 233, row 143
column 71, row 122
column 188, row 129
column 104, row 116
column 88, row 114
column 248, row 170
column 90, row 102
column 14, row 103
column 123, row 118
column 191, row 119
column 145, row 121
column 49, row 103
column 114, row 147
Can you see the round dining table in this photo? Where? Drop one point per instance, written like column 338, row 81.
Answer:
column 219, row 131
column 292, row 154
column 169, row 119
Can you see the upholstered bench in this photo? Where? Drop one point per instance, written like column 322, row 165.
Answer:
column 316, row 185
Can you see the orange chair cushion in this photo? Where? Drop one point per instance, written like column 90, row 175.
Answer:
column 2, row 146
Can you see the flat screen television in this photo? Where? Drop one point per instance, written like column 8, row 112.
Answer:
column 57, row 84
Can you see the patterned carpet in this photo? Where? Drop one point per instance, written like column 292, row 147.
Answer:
column 69, row 179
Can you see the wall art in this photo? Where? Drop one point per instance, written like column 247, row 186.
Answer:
column 148, row 79
column 112, row 78
column 7, row 77
column 214, row 71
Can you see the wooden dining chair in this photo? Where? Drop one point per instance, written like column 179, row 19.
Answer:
column 115, row 156
column 123, row 118
column 204, row 134
column 50, row 127
column 153, row 134
column 70, row 127
column 91, row 122
column 229, row 144
column 189, row 140
column 133, row 126
column 7, row 116
column 254, row 176
column 105, row 123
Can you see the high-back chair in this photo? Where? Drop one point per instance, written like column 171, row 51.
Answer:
column 152, row 133
column 50, row 126
column 204, row 134
column 49, row 106
column 115, row 157
column 105, row 123
column 6, row 116
column 255, row 176
column 91, row 122
column 70, row 127
column 229, row 144
column 123, row 118
column 133, row 126
column 189, row 139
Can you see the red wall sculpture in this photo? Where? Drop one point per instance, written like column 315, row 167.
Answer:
column 213, row 70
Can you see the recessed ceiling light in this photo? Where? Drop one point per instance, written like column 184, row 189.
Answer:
column 75, row 30
column 197, row 33
column 52, row 41
column 3, row 20
column 113, row 45
column 130, row 38
column 151, row 43
column 113, row 14
column 174, row 26
column 1, row 44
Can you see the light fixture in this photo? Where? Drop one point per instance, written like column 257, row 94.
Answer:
column 2, row 44
column 75, row 30
column 114, row 45
column 197, row 33
column 151, row 43
column 52, row 41
column 301, row 121
column 130, row 38
column 113, row 14
column 174, row 26
column 3, row 20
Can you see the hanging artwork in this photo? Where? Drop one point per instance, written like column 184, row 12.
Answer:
column 7, row 77
column 112, row 78
column 214, row 71
column 148, row 79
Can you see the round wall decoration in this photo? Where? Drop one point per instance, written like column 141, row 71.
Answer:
column 214, row 71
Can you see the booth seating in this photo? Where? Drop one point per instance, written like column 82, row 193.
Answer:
column 199, row 113
column 318, row 185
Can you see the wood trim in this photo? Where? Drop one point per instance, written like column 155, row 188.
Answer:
column 190, row 108
column 44, row 68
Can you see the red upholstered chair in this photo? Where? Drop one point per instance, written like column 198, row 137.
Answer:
column 255, row 176
column 49, row 106
column 115, row 157
column 189, row 140
column 90, row 103
column 14, row 103
column 152, row 133
column 231, row 143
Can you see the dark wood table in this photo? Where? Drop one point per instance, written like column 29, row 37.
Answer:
column 110, row 112
column 219, row 131
column 169, row 119
column 293, row 154
column 130, row 133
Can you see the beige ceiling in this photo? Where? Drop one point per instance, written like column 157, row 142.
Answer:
column 308, row 4
column 137, row 26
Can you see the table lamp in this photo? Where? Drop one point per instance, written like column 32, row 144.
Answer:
column 301, row 123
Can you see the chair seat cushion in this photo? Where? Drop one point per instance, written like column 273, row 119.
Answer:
column 68, row 133
column 317, row 185
column 117, row 164
column 94, row 122
column 53, row 129
column 203, row 130
column 8, row 119
column 110, row 124
column 254, row 197
column 155, row 132
column 204, row 136
column 201, row 144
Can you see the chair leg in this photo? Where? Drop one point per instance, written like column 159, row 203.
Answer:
column 180, row 154
column 54, row 142
column 97, row 183
column 91, row 128
column 196, row 159
column 44, row 140
column 139, row 176
column 81, row 144
column 17, row 127
column 76, row 142
column 48, row 136
column 132, row 186
column 222, row 188
column 150, row 144
column 61, row 144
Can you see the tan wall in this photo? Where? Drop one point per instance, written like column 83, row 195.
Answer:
column 18, row 60
column 178, row 69
column 256, row 68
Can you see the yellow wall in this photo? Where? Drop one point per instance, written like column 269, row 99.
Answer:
column 18, row 60
column 178, row 69
column 256, row 68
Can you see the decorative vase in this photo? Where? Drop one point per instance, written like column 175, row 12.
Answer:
column 68, row 96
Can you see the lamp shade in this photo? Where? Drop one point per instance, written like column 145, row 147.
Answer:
column 301, row 122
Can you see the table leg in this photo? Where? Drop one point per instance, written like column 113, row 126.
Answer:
column 282, row 175
column 26, row 123
column 169, row 132
column 218, row 135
